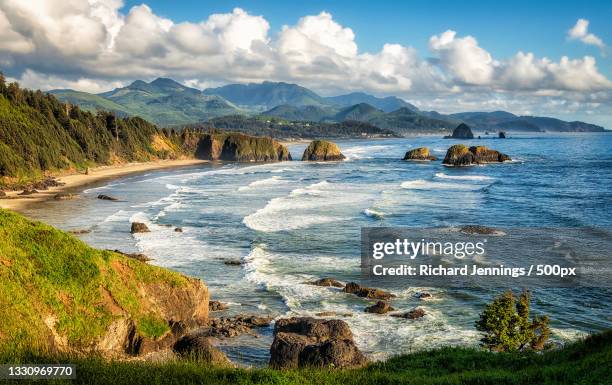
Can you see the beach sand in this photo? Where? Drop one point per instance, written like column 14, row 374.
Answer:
column 16, row 202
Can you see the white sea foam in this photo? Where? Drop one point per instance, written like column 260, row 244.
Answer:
column 442, row 175
column 374, row 213
column 274, row 180
column 421, row 184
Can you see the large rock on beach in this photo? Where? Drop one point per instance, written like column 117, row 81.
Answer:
column 237, row 147
column 367, row 292
column 461, row 155
column 312, row 342
column 462, row 131
column 198, row 347
column 322, row 150
column 421, row 153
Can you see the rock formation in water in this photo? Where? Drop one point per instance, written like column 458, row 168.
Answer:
column 322, row 150
column 138, row 227
column 326, row 282
column 379, row 307
column 421, row 153
column 502, row 135
column 367, row 292
column 238, row 147
column 460, row 155
column 462, row 131
column 412, row 314
column 311, row 342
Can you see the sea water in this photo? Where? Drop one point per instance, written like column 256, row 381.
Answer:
column 292, row 222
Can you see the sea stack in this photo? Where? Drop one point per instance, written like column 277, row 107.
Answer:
column 502, row 135
column 236, row 147
column 322, row 150
column 421, row 153
column 462, row 131
column 461, row 155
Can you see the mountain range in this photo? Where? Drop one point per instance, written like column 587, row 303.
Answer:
column 169, row 103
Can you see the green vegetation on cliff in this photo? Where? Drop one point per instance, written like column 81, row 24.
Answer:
column 58, row 294
column 39, row 134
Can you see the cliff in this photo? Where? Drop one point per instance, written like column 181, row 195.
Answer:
column 59, row 295
column 240, row 148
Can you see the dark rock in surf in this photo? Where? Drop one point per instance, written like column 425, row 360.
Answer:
column 198, row 347
column 238, row 325
column 412, row 314
column 312, row 342
column 107, row 198
column 502, row 135
column 178, row 230
column 216, row 306
column 326, row 282
column 379, row 307
column 138, row 227
column 460, row 155
column 367, row 292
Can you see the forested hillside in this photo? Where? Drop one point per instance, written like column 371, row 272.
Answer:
column 38, row 133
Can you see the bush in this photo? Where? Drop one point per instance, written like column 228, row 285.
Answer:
column 507, row 326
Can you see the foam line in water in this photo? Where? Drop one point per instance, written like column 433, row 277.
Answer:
column 442, row 175
column 421, row 184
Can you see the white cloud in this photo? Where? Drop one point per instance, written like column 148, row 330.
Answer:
column 580, row 31
column 91, row 44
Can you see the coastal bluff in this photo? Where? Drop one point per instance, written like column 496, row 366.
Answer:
column 237, row 147
column 322, row 150
column 61, row 296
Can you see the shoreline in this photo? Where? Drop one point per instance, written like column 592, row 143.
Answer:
column 14, row 201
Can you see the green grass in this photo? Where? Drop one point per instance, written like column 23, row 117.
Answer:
column 46, row 273
column 585, row 362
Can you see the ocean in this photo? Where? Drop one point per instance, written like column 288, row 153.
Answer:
column 292, row 222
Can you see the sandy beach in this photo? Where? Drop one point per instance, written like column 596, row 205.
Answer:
column 14, row 201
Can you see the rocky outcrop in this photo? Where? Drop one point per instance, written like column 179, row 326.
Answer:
column 424, row 296
column 312, row 342
column 2, row 194
column 197, row 347
column 235, row 326
column 238, row 147
column 138, row 227
column 107, row 198
column 460, row 155
column 178, row 230
column 28, row 192
column 232, row 262
column 421, row 153
column 216, row 306
column 479, row 229
column 367, row 292
column 137, row 256
column 502, row 135
column 411, row 315
column 379, row 307
column 462, row 131
column 322, row 150
column 329, row 282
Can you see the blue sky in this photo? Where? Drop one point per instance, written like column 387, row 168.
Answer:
column 502, row 27
column 527, row 57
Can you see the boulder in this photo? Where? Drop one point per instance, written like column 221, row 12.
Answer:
column 421, row 153
column 412, row 314
column 462, row 131
column 502, row 135
column 235, row 326
column 198, row 347
column 424, row 296
column 178, row 230
column 333, row 314
column 107, row 198
column 478, row 229
column 460, row 155
column 232, row 262
column 2, row 194
column 326, row 282
column 322, row 150
column 379, row 307
column 237, row 147
column 138, row 227
column 216, row 306
column 137, row 256
column 367, row 292
column 312, row 342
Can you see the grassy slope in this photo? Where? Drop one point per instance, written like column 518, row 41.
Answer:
column 586, row 362
column 44, row 271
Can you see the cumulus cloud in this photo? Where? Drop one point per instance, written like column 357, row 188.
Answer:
column 580, row 31
column 93, row 44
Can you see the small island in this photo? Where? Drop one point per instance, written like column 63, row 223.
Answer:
column 322, row 150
